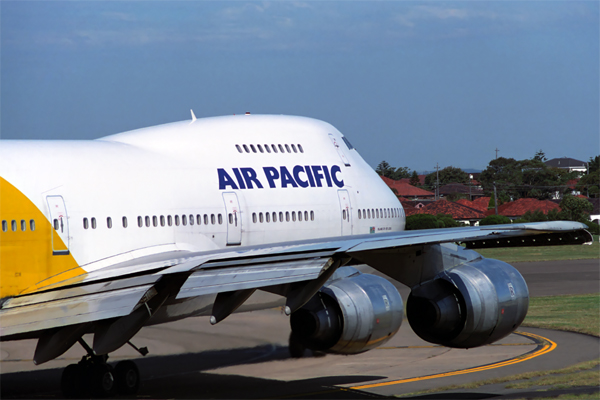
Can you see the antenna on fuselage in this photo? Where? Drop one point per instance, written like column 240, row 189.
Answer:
column 193, row 116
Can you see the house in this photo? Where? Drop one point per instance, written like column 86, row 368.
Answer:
column 405, row 190
column 459, row 212
column 570, row 164
column 516, row 209
column 461, row 189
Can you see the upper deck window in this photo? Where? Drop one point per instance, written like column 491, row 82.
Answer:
column 350, row 147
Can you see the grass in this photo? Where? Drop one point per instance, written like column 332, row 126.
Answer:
column 544, row 253
column 576, row 313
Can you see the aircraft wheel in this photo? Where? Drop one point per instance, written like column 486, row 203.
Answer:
column 127, row 377
column 102, row 381
column 72, row 382
column 295, row 347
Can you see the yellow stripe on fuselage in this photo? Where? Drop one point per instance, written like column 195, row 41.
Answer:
column 26, row 260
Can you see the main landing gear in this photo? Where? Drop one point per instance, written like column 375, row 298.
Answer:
column 93, row 377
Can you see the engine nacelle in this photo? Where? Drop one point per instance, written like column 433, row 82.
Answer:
column 468, row 306
column 349, row 315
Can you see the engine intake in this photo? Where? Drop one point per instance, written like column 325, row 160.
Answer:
column 349, row 315
column 470, row 305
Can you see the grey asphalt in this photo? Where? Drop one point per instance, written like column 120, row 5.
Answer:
column 246, row 355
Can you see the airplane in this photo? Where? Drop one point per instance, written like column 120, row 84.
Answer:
column 195, row 218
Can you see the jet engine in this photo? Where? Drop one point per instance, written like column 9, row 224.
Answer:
column 470, row 305
column 349, row 315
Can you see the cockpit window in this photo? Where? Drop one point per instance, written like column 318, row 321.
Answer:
column 350, row 147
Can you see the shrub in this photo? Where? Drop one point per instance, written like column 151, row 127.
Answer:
column 421, row 221
column 494, row 220
column 593, row 227
column 447, row 221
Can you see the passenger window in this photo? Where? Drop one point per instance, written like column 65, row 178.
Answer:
column 274, row 148
column 293, row 215
column 177, row 220
column 162, row 220
column 287, row 216
column 155, row 221
column 294, row 148
column 312, row 215
column 205, row 219
column 299, row 215
column 147, row 221
column 124, row 222
column 237, row 146
column 32, row 224
column 300, row 148
column 306, row 215
column 140, row 222
column 260, row 148
column 191, row 219
column 274, row 217
column 281, row 148
column 220, row 217
column 287, row 148
column 109, row 222
column 23, row 225
column 246, row 149
column 344, row 214
column 267, row 148
column 280, row 216
column 254, row 217
column 377, row 212
column 212, row 219
column 4, row 226
column 253, row 148
column 198, row 219
column 14, row 225
column 230, row 218
column 93, row 223
column 268, row 217
column 169, row 220
column 183, row 220
column 85, row 223
column 260, row 217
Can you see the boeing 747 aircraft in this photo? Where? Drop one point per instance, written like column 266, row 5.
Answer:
column 189, row 219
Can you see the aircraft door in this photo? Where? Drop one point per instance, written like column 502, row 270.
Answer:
column 346, row 213
column 60, row 225
column 233, row 218
column 339, row 150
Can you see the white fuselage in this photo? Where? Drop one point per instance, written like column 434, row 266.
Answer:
column 187, row 185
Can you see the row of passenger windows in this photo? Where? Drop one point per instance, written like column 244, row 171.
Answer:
column 15, row 225
column 287, row 216
column 161, row 220
column 378, row 213
column 286, row 148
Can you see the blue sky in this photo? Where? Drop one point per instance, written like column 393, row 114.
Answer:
column 414, row 83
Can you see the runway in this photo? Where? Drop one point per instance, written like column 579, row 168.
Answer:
column 246, row 355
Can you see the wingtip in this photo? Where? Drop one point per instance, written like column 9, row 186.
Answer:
column 193, row 116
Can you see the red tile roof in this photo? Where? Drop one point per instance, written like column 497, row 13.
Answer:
column 481, row 203
column 406, row 190
column 519, row 207
column 457, row 210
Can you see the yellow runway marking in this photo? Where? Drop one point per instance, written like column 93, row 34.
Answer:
column 547, row 346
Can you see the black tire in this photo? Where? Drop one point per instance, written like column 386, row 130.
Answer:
column 127, row 377
column 295, row 347
column 102, row 381
column 72, row 381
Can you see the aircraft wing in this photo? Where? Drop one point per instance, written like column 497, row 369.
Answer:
column 293, row 269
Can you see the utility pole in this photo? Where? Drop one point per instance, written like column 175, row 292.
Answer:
column 497, row 153
column 495, row 199
column 437, row 184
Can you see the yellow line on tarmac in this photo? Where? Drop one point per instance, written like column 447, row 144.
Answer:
column 545, row 345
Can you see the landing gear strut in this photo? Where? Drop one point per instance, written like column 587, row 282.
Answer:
column 92, row 376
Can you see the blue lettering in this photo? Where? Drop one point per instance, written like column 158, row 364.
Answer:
column 239, row 178
column 286, row 178
column 316, row 169
column 327, row 176
column 297, row 170
column 334, row 170
column 249, row 177
column 271, row 174
column 311, row 180
column 225, row 180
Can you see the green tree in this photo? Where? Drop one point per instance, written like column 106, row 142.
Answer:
column 421, row 221
column 447, row 175
column 414, row 179
column 401, row 173
column 540, row 156
column 594, row 164
column 385, row 169
column 590, row 184
column 494, row 220
column 576, row 208
column 447, row 221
